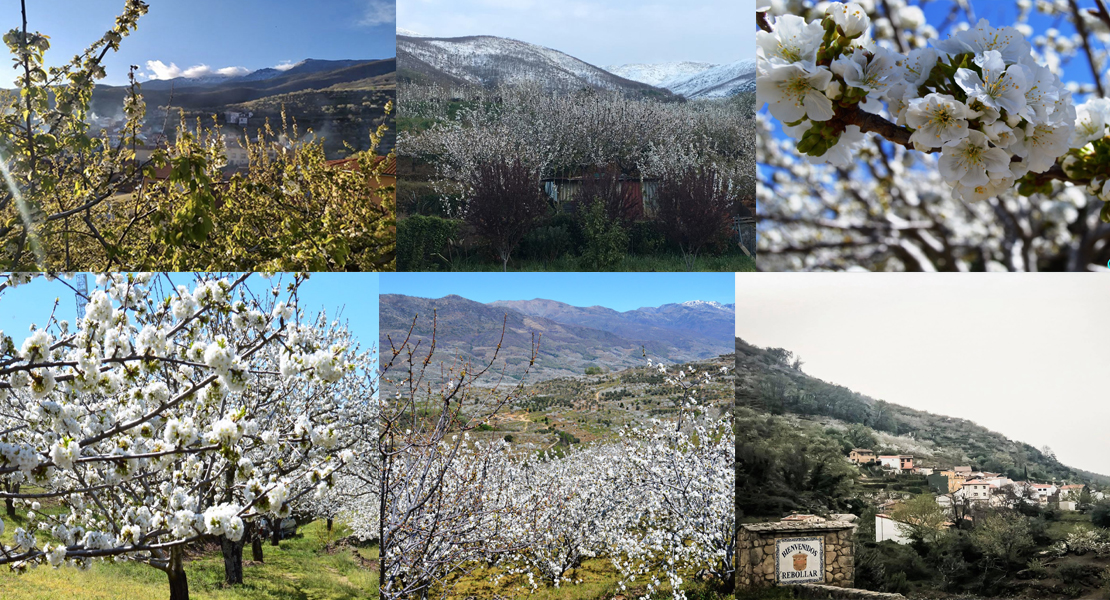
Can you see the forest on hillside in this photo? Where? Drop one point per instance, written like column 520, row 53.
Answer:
column 793, row 431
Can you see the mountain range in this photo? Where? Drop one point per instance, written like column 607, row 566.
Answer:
column 489, row 61
column 570, row 338
column 214, row 91
column 694, row 80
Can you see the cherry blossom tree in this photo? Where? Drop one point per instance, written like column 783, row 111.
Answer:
column 437, row 514
column 554, row 134
column 891, row 144
column 168, row 414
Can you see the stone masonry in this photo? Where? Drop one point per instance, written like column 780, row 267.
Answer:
column 757, row 551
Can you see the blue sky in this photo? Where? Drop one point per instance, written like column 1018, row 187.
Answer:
column 244, row 34
column 356, row 294
column 600, row 32
column 618, row 291
column 998, row 13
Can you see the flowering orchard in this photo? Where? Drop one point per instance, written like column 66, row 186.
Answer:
column 901, row 146
column 171, row 413
column 657, row 503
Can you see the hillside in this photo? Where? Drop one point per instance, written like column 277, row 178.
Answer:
column 340, row 100
column 659, row 74
column 584, row 409
column 770, row 390
column 694, row 80
column 490, row 61
column 470, row 330
column 217, row 92
column 717, row 82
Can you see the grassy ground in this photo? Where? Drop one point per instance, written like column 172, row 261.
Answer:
column 599, row 581
column 300, row 568
column 630, row 263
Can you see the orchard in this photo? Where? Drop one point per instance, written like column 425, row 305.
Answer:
column 171, row 413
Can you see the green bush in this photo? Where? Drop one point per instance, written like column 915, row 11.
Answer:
column 546, row 243
column 1036, row 568
column 646, row 238
column 1076, row 573
column 606, row 240
column 573, row 227
column 422, row 242
column 592, row 370
column 1100, row 514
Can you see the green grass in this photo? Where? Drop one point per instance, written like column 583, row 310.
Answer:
column 599, row 581
column 630, row 263
column 299, row 569
column 1068, row 523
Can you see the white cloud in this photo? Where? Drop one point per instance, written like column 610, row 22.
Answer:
column 285, row 65
column 379, row 12
column 160, row 70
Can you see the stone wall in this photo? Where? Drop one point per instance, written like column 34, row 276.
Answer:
column 756, row 549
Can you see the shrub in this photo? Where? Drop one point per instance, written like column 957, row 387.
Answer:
column 646, row 238
column 1100, row 514
column 696, row 207
column 1076, row 573
column 422, row 242
column 1036, row 568
column 546, row 243
column 592, row 370
column 504, row 205
column 606, row 240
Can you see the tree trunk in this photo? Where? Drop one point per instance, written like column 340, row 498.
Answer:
column 233, row 560
column 329, row 524
column 275, row 532
column 9, row 507
column 179, row 585
column 256, row 548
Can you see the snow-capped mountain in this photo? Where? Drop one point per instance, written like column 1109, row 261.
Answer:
column 659, row 74
column 488, row 61
column 307, row 67
column 717, row 82
column 409, row 33
column 571, row 336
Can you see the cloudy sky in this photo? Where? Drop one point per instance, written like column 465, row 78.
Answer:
column 600, row 32
column 200, row 37
column 1023, row 355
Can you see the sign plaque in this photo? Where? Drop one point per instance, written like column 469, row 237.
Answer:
column 800, row 560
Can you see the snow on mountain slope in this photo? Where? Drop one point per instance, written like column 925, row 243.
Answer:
column 718, row 82
column 489, row 61
column 409, row 33
column 659, row 74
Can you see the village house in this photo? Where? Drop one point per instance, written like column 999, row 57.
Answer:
column 926, row 471
column 897, row 462
column 887, row 528
column 977, row 490
column 861, row 456
column 985, row 490
column 1041, row 492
